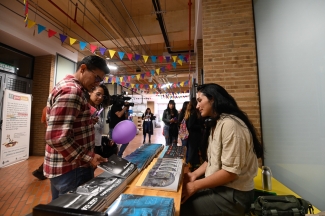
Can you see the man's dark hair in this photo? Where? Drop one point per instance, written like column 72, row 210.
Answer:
column 94, row 62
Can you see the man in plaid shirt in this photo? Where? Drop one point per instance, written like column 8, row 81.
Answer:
column 69, row 153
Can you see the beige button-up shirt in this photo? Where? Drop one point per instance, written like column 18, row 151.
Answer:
column 231, row 149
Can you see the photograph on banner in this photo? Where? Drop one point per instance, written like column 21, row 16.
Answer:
column 15, row 131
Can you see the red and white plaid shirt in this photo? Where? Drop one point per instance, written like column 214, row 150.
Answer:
column 70, row 131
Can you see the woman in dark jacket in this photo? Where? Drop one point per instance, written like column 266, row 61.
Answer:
column 193, row 123
column 170, row 118
column 147, row 125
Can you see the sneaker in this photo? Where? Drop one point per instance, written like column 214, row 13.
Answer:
column 39, row 175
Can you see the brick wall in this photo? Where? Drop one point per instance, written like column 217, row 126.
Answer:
column 229, row 52
column 42, row 84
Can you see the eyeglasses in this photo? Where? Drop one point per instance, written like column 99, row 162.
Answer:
column 98, row 79
column 99, row 95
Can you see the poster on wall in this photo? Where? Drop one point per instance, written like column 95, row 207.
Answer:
column 15, row 130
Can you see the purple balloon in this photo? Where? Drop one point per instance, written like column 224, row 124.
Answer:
column 124, row 132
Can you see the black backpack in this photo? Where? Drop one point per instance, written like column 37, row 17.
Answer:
column 281, row 205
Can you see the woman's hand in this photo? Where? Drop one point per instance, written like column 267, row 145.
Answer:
column 189, row 177
column 188, row 190
column 95, row 119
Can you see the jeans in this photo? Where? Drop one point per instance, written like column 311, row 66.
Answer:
column 122, row 146
column 70, row 180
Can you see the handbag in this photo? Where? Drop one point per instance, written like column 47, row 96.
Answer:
column 281, row 205
column 183, row 132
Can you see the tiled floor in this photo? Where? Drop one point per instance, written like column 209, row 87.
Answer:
column 20, row 191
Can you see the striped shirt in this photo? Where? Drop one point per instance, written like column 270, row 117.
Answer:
column 70, row 131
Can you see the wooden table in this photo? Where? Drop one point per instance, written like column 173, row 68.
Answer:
column 132, row 189
column 277, row 187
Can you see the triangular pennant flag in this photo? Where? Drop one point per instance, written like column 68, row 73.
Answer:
column 169, row 67
column 154, row 86
column 109, row 80
column 160, row 59
column 137, row 57
column 162, row 69
column 142, row 75
column 102, row 50
column 174, row 64
column 72, row 40
column 182, row 84
column 138, row 76
column 92, row 48
column 121, row 79
column 127, row 85
column 185, row 59
column 111, row 53
column 132, row 85
column 30, row 23
column 159, row 85
column 179, row 62
column 152, row 72
column 125, row 78
column 51, row 33
column 133, row 76
column 137, row 85
column 146, row 86
column 118, row 81
column 147, row 74
column 153, row 59
column 141, row 85
column 130, row 55
column 106, row 79
column 129, row 78
column 40, row 28
column 167, row 58
column 81, row 44
column 181, row 57
column 63, row 37
column 174, row 58
column 121, row 55
column 145, row 58
column 158, row 71
column 123, row 83
column 150, row 86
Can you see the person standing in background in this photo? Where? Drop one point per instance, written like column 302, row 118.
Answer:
column 170, row 118
column 180, row 119
column 147, row 125
column 38, row 173
column 69, row 153
column 192, row 118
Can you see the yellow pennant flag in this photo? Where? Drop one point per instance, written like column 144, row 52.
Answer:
column 138, row 76
column 106, row 79
column 181, row 84
column 30, row 23
column 145, row 57
column 112, row 53
column 113, row 81
column 121, row 79
column 158, row 71
column 72, row 40
column 180, row 62
column 174, row 58
column 132, row 85
column 150, row 86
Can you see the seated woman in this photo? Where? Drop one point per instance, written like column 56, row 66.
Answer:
column 233, row 148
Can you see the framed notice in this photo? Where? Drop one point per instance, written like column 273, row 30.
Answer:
column 15, row 130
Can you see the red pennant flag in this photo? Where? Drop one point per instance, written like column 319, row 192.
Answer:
column 51, row 33
column 130, row 55
column 141, row 85
column 93, row 48
column 148, row 74
column 123, row 83
column 129, row 78
column 169, row 66
column 160, row 59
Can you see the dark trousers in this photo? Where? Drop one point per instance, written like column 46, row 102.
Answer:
column 218, row 201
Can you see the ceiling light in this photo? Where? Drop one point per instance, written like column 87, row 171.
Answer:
column 112, row 67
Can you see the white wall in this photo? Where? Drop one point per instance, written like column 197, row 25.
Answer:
column 291, row 63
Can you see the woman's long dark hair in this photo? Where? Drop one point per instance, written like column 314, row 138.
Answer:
column 224, row 103
column 174, row 109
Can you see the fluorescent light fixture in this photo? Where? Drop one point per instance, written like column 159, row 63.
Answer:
column 112, row 67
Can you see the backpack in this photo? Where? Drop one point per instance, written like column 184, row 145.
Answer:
column 183, row 132
column 281, row 205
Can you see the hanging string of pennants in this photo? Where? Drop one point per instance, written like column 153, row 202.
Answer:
column 164, row 96
column 172, row 60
